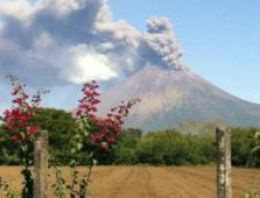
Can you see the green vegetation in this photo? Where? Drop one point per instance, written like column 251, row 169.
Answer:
column 244, row 147
column 165, row 147
column 174, row 148
column 252, row 193
column 61, row 127
column 169, row 147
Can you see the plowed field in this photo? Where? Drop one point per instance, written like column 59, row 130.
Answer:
column 157, row 182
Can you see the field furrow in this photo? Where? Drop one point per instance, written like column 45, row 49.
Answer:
column 152, row 182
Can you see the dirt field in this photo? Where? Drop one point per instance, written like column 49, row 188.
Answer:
column 157, row 182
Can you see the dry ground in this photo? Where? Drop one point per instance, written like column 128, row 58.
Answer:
column 154, row 182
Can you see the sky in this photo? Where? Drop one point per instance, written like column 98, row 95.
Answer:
column 221, row 39
column 55, row 43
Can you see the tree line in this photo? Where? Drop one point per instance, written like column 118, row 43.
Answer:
column 169, row 147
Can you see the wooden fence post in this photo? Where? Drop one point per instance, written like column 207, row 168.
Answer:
column 224, row 188
column 41, row 166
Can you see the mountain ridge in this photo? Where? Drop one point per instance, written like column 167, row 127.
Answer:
column 169, row 97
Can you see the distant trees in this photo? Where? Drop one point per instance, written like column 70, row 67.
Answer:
column 170, row 147
column 245, row 144
column 8, row 155
column 61, row 127
column 125, row 152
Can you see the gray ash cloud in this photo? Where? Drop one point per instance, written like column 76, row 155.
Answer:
column 54, row 42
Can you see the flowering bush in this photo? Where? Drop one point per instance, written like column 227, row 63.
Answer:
column 18, row 119
column 96, row 135
column 100, row 132
column 18, row 122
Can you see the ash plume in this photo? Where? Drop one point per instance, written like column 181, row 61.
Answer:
column 57, row 42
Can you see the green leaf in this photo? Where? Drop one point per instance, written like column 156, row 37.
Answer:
column 79, row 145
column 95, row 162
column 86, row 133
column 257, row 148
column 73, row 151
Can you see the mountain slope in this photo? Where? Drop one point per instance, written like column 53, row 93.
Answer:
column 170, row 97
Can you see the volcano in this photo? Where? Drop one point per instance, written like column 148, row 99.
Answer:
column 170, row 97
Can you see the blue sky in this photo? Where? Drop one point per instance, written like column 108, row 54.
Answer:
column 221, row 39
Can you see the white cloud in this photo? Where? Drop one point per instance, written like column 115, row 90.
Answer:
column 61, row 7
column 19, row 9
column 89, row 65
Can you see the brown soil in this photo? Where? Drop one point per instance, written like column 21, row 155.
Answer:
column 153, row 182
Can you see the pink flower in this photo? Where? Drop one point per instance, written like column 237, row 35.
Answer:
column 104, row 145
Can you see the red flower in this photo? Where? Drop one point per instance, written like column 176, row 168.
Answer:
column 95, row 93
column 92, row 117
column 18, row 101
column 94, row 109
column 32, row 130
column 117, row 116
column 113, row 109
column 7, row 113
column 104, row 131
column 111, row 140
column 101, row 123
column 95, row 101
column 16, row 138
column 95, row 138
column 79, row 113
column 11, row 127
column 19, row 118
column 108, row 121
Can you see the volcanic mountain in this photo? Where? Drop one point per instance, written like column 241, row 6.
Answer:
column 170, row 96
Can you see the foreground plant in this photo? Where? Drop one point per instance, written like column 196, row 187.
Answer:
column 59, row 186
column 96, row 135
column 18, row 122
column 252, row 193
column 4, row 186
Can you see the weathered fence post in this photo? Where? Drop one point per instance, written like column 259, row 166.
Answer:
column 224, row 188
column 41, row 166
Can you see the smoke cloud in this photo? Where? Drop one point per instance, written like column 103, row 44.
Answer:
column 55, row 42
